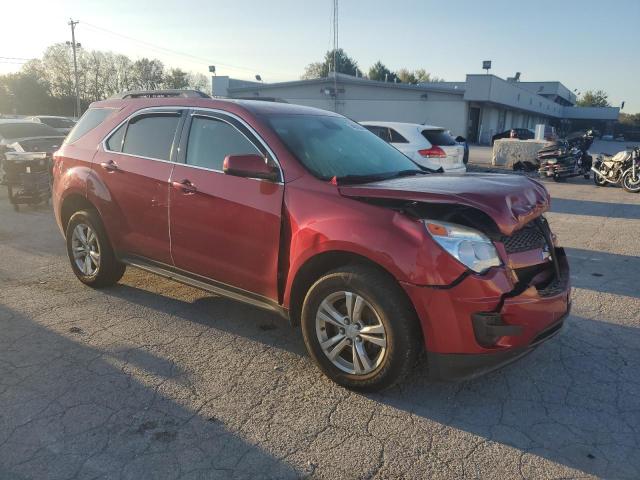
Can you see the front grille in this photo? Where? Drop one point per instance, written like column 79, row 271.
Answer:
column 527, row 238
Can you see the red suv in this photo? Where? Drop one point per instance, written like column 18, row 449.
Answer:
column 306, row 213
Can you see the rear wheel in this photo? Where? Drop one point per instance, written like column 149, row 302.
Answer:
column 360, row 328
column 599, row 180
column 92, row 258
column 631, row 182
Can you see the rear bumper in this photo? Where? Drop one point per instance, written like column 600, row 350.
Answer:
column 485, row 321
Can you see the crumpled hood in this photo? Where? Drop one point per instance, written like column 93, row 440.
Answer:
column 510, row 200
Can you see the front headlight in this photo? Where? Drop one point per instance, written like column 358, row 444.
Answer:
column 470, row 247
column 552, row 161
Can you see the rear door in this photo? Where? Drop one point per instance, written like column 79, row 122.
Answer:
column 135, row 167
column 224, row 228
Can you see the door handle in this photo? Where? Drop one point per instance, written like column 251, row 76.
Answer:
column 185, row 185
column 109, row 166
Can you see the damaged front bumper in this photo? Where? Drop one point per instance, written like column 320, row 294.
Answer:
column 486, row 321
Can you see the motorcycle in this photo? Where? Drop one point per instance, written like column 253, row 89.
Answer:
column 622, row 168
column 566, row 158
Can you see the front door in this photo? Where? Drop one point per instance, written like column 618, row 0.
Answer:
column 135, row 167
column 224, row 228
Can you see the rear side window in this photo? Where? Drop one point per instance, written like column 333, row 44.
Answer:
column 381, row 132
column 90, row 120
column 396, row 137
column 211, row 140
column 438, row 137
column 151, row 135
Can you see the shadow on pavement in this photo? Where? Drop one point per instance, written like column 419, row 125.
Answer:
column 70, row 410
column 220, row 313
column 604, row 272
column 599, row 209
column 574, row 401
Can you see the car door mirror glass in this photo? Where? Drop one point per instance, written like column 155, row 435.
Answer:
column 249, row 166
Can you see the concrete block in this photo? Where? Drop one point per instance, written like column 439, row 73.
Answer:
column 508, row 151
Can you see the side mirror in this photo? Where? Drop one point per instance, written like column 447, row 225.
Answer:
column 460, row 139
column 249, row 166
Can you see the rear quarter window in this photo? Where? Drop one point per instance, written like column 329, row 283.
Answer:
column 439, row 138
column 90, row 120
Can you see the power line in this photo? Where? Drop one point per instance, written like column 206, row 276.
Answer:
column 202, row 60
column 15, row 58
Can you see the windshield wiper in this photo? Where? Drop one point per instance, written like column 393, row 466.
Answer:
column 410, row 173
column 375, row 177
column 353, row 179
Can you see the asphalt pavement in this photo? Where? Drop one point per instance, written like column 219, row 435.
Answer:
column 153, row 379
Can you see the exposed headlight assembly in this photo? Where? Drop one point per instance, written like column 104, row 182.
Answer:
column 470, row 247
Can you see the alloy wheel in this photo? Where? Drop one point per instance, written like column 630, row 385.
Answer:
column 86, row 249
column 351, row 333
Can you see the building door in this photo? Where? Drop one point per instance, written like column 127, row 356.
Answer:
column 474, row 124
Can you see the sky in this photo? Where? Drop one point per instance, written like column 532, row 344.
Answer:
column 584, row 44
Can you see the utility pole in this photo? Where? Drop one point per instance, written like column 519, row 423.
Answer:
column 335, row 48
column 75, row 45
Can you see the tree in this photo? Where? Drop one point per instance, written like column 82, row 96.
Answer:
column 199, row 81
column 406, row 76
column 176, row 78
column 148, row 74
column 381, row 73
column 422, row 76
column 630, row 119
column 344, row 64
column 23, row 93
column 594, row 98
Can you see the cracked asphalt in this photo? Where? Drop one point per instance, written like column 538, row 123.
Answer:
column 153, row 379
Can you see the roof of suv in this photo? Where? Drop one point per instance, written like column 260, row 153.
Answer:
column 257, row 107
column 401, row 125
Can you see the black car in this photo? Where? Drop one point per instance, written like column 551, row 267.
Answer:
column 23, row 136
column 520, row 134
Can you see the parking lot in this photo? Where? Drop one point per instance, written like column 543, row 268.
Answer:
column 153, row 379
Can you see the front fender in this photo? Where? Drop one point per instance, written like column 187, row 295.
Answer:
column 394, row 241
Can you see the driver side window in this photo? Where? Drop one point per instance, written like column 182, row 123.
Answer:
column 211, row 140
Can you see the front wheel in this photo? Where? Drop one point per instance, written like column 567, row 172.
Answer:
column 631, row 182
column 360, row 328
column 92, row 258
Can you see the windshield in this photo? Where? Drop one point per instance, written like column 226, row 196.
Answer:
column 23, row 130
column 338, row 147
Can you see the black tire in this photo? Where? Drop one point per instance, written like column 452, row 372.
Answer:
column 630, row 184
column 402, row 329
column 559, row 179
column 110, row 270
column 599, row 180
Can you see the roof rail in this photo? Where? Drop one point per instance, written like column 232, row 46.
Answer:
column 167, row 93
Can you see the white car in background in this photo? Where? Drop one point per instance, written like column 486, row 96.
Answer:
column 428, row 146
